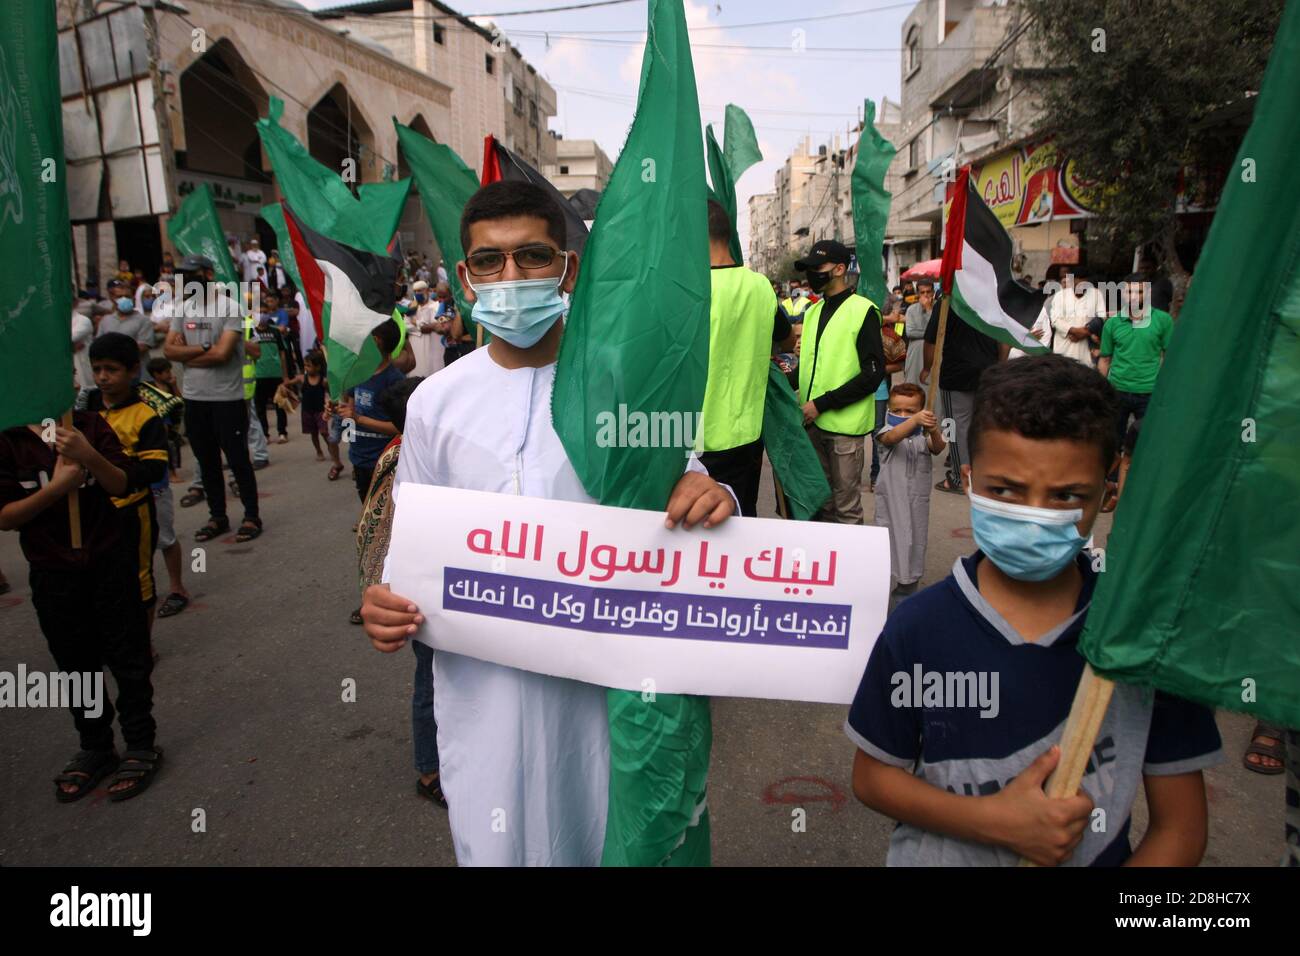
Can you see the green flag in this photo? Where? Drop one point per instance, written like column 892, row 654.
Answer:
column 871, row 205
column 785, row 439
column 195, row 230
column 321, row 199
column 1200, row 593
column 740, row 145
column 274, row 216
column 35, row 238
column 728, row 162
column 638, row 336
column 446, row 184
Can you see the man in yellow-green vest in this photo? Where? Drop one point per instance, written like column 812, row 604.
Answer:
column 796, row 301
column 744, row 324
column 841, row 362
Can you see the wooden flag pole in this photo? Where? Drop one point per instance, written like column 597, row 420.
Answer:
column 937, row 364
column 780, row 497
column 1091, row 699
column 74, row 497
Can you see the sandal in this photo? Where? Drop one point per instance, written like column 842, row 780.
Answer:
column 945, row 485
column 1275, row 750
column 84, row 771
column 214, row 527
column 249, row 529
column 355, row 617
column 173, row 604
column 191, row 498
column 335, row 471
column 431, row 790
column 138, row 768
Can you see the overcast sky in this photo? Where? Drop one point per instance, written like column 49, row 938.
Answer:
column 593, row 59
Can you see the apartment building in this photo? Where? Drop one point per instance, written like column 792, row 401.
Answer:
column 579, row 164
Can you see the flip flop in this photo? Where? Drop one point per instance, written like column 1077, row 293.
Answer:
column 945, row 486
column 173, row 604
column 1276, row 750
column 335, row 471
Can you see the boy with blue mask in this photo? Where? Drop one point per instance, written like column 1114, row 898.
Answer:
column 512, row 744
column 965, row 696
column 908, row 437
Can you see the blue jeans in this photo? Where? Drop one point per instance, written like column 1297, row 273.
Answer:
column 424, row 729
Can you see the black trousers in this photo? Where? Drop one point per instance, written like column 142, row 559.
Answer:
column 741, row 468
column 263, row 395
column 215, row 428
column 1130, row 403
column 362, row 478
column 92, row 618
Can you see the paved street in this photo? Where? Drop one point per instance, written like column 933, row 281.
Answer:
column 250, row 713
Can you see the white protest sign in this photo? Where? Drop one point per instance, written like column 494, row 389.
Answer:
column 753, row 608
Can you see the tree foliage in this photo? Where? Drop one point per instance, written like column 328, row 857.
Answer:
column 1130, row 93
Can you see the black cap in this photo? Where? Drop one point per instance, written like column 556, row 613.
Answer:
column 194, row 264
column 827, row 250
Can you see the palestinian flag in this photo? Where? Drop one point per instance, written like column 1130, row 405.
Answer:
column 976, row 272
column 349, row 292
column 500, row 163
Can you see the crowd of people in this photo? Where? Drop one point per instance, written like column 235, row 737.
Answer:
column 153, row 377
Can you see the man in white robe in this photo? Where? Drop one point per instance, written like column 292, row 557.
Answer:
column 523, row 757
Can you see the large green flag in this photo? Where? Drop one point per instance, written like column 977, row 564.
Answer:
column 871, row 205
column 728, row 162
column 1199, row 596
column 638, row 336
column 446, row 184
column 195, row 230
column 35, row 238
column 321, row 199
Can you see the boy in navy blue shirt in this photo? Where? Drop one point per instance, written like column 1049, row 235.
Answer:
column 965, row 696
column 374, row 430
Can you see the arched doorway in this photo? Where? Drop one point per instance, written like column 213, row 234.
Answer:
column 338, row 136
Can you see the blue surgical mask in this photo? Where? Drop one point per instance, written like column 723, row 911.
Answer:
column 421, row 297
column 892, row 419
column 520, row 311
column 147, row 303
column 125, row 305
column 1028, row 544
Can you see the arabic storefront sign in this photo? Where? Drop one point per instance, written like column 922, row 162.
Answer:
column 753, row 608
column 1032, row 184
column 236, row 194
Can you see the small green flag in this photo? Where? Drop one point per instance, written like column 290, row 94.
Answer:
column 785, row 439
column 35, row 238
column 740, row 145
column 195, row 230
column 274, row 216
column 445, row 185
column 321, row 199
column 638, row 336
column 1199, row 594
column 728, row 162
column 871, row 205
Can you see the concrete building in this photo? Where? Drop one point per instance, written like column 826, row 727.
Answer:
column 968, row 97
column 579, row 164
column 493, row 88
column 764, row 246
column 158, row 97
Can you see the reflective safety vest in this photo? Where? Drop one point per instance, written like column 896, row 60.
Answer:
column 742, row 311
column 826, row 365
column 250, row 363
column 794, row 307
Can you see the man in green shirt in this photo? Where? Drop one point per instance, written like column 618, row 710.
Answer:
column 1133, row 345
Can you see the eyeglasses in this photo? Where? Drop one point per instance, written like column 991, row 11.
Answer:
column 491, row 261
